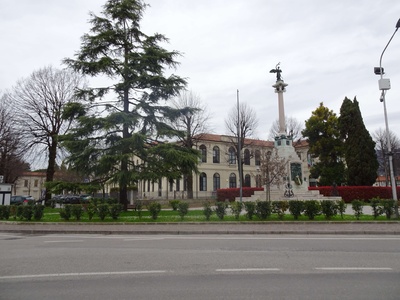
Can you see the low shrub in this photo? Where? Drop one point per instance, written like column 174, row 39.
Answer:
column 220, row 209
column 280, row 207
column 357, row 206
column 91, row 210
column 341, row 205
column 296, row 207
column 250, row 208
column 236, row 208
column 139, row 207
column 329, row 208
column 13, row 211
column 19, row 212
column 4, row 212
column 312, row 208
column 376, row 206
column 388, row 207
column 174, row 204
column 115, row 210
column 154, row 209
column 207, row 210
column 27, row 212
column 102, row 210
column 77, row 211
column 65, row 213
column 183, row 209
column 38, row 212
column 263, row 209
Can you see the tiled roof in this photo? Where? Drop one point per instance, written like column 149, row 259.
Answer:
column 255, row 142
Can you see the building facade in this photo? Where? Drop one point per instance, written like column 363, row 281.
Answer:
column 218, row 168
column 30, row 184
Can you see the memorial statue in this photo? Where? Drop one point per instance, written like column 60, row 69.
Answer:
column 278, row 72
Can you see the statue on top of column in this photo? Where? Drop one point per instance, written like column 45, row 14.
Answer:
column 278, row 72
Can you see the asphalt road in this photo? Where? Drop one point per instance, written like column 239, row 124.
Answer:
column 199, row 267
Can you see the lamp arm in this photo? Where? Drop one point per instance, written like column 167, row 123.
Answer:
column 380, row 60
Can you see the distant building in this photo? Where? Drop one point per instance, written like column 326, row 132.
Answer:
column 30, row 184
column 218, row 168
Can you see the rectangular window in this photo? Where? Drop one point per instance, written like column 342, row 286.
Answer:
column 36, row 183
column 26, row 183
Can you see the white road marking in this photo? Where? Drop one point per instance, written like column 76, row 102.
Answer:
column 65, row 241
column 248, row 270
column 82, row 274
column 224, row 237
column 353, row 269
column 144, row 239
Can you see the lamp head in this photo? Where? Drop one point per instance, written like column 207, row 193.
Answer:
column 379, row 71
column 398, row 24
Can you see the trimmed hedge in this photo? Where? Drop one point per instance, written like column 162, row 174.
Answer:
column 350, row 193
column 231, row 194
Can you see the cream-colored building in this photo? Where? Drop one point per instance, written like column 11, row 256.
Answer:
column 30, row 184
column 218, row 168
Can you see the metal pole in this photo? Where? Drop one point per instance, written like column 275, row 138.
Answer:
column 239, row 131
column 389, row 147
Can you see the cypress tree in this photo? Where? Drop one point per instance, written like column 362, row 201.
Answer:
column 359, row 147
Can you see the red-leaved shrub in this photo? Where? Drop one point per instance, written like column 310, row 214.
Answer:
column 350, row 193
column 232, row 193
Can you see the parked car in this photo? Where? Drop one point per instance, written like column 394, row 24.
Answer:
column 72, row 199
column 19, row 200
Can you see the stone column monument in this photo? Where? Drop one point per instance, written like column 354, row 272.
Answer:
column 295, row 182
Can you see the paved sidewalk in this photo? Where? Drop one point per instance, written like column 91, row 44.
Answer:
column 392, row 228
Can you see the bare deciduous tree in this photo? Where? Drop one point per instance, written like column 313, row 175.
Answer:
column 41, row 99
column 380, row 139
column 272, row 171
column 293, row 128
column 241, row 122
column 12, row 163
column 193, row 122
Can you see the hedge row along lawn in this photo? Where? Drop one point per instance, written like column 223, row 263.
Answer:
column 194, row 215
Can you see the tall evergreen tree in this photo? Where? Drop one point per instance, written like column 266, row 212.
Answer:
column 359, row 147
column 129, row 130
column 322, row 132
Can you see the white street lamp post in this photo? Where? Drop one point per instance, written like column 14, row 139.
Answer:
column 384, row 85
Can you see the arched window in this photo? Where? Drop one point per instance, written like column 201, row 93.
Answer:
column 203, row 182
column 216, row 155
column 203, row 151
column 247, row 157
column 247, row 180
column 231, row 156
column 257, row 157
column 216, row 182
column 232, row 180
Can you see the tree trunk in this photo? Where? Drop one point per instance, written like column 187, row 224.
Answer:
column 189, row 183
column 51, row 166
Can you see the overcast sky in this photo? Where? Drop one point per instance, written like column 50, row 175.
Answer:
column 327, row 50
